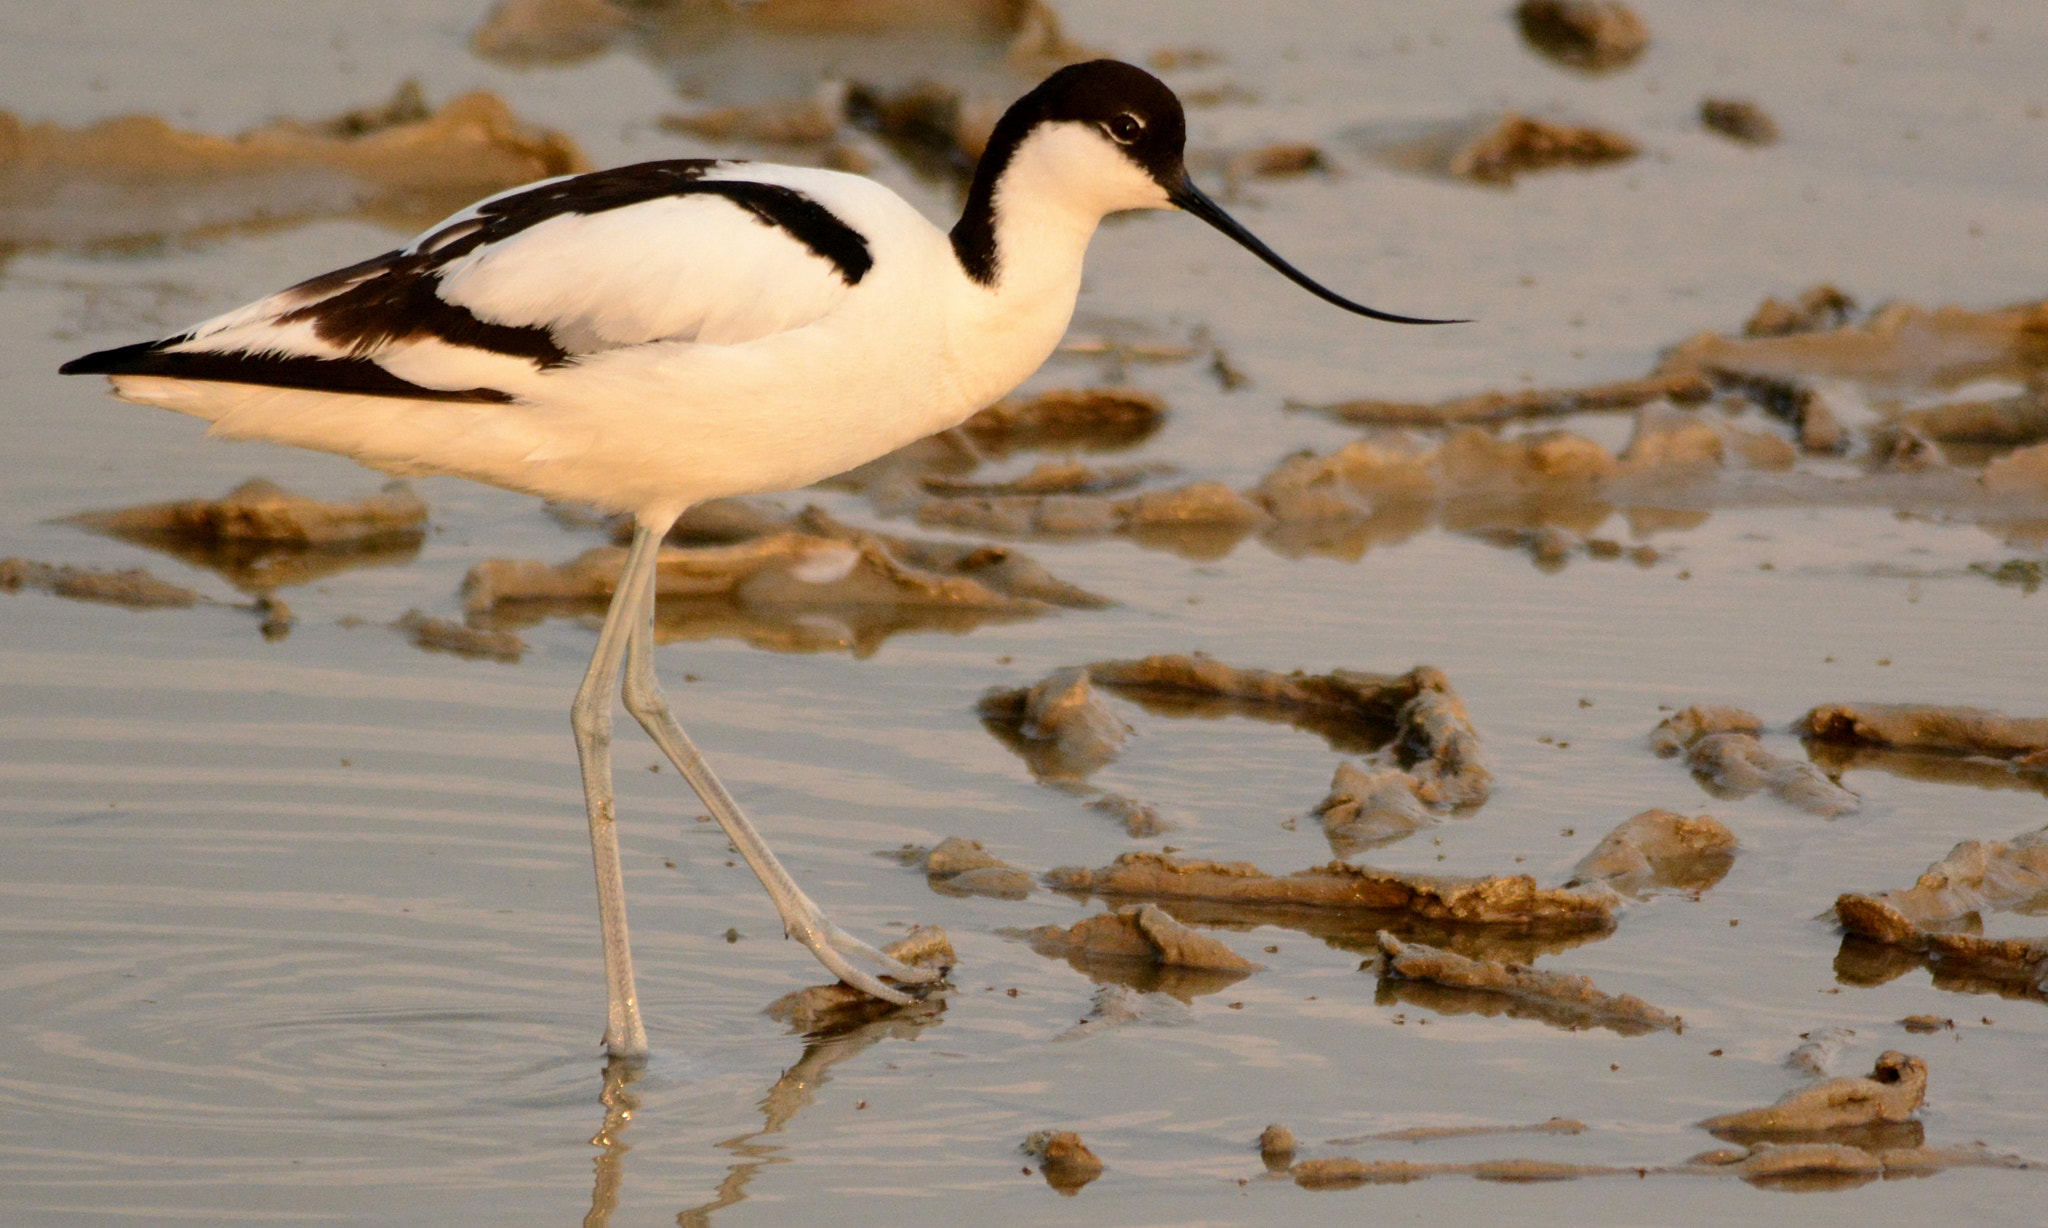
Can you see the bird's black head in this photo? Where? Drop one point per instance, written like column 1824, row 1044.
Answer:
column 1103, row 136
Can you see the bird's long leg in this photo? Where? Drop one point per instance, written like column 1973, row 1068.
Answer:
column 802, row 919
column 591, row 717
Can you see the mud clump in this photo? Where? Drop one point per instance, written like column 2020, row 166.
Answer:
column 1593, row 36
column 1518, row 144
column 442, row 635
column 958, row 866
column 1675, row 734
column 1938, row 919
column 262, row 511
column 1142, row 932
column 1513, row 900
column 137, row 177
column 1740, row 120
column 1139, row 819
column 1685, row 388
column 1416, row 713
column 1817, row 309
column 530, row 32
column 818, row 585
column 1488, row 987
column 1735, row 765
column 1430, row 1134
column 1091, row 419
column 1061, row 726
column 131, row 587
column 1930, row 727
column 1659, row 849
column 1276, row 1148
column 1367, row 809
column 1064, row 1158
column 1892, row 1092
column 839, row 1005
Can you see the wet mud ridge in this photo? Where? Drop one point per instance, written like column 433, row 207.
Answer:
column 1832, row 1135
column 1938, row 921
column 137, row 178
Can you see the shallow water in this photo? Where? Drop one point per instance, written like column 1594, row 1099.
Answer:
column 301, row 930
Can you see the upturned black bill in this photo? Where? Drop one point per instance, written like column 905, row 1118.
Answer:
column 1192, row 200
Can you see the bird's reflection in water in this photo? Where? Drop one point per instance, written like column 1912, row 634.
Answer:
column 619, row 1107
column 831, row 1040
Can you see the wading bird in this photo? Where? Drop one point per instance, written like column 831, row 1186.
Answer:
column 653, row 336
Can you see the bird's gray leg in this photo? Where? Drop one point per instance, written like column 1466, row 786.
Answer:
column 802, row 919
column 591, row 717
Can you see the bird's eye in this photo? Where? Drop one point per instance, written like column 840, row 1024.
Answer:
column 1125, row 128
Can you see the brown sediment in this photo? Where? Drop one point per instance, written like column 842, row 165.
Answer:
column 1684, row 388
column 1928, row 727
column 1899, row 346
column 526, row 32
column 1050, row 478
column 1065, row 1159
column 1785, row 1166
column 1936, row 920
column 137, row 177
column 1890, row 1094
column 259, row 537
column 1352, row 710
column 1278, row 161
column 1508, row 900
column 2008, row 422
column 1976, row 877
column 1735, row 765
column 2019, row 473
column 1138, row 818
column 839, row 1005
column 1808, row 1166
column 1061, row 727
column 1739, row 119
column 821, row 585
column 1140, row 932
column 784, row 121
column 1367, row 809
column 277, row 617
column 1201, row 519
column 442, row 635
column 2022, row 574
column 1817, row 309
column 131, row 587
column 1659, row 849
column 1817, row 1050
column 1276, row 1148
column 1093, row 419
column 1430, row 1134
column 1925, row 1024
column 958, row 866
column 261, row 511
column 1517, row 144
column 1454, row 985
column 1142, row 946
column 1589, row 35
column 1675, row 734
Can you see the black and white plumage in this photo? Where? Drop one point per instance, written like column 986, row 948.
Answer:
column 649, row 337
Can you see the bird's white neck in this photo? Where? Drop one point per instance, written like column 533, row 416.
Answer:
column 1021, row 240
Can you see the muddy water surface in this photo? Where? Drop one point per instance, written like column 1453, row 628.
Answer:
column 301, row 928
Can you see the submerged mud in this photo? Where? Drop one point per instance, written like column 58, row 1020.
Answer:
column 1452, row 984
column 1510, row 900
column 816, row 585
column 1938, row 920
column 1659, row 850
column 839, row 1006
column 131, row 587
column 138, row 178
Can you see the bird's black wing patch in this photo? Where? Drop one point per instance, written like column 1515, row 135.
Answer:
column 344, row 375
column 396, row 296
